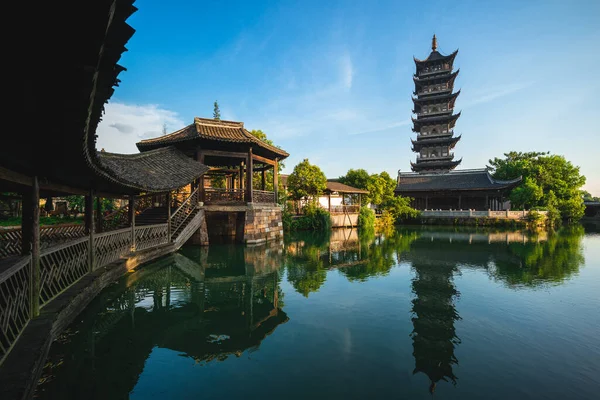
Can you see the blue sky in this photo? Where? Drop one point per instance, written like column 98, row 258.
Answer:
column 331, row 80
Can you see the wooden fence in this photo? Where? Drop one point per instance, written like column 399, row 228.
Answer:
column 11, row 239
column 223, row 196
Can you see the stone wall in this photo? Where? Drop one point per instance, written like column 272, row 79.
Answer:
column 262, row 224
column 200, row 237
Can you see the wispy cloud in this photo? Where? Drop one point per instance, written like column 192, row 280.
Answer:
column 125, row 124
column 496, row 92
column 384, row 127
column 347, row 71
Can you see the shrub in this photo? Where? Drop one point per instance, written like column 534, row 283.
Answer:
column 366, row 218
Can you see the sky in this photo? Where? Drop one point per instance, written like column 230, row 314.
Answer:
column 331, row 81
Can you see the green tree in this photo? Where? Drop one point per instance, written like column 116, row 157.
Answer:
column 542, row 173
column 307, row 181
column 216, row 111
column 381, row 188
column 358, row 178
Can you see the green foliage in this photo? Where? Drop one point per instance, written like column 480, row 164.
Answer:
column 381, row 188
column 314, row 219
column 366, row 219
column 542, row 173
column 400, row 208
column 535, row 217
column 358, row 178
column 76, row 204
column 307, row 181
column 587, row 196
column 217, row 181
column 216, row 111
column 385, row 222
column 43, row 221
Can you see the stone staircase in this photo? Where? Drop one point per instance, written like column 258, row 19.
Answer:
column 152, row 216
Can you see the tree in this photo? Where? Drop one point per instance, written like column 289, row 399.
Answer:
column 216, row 111
column 358, row 178
column 307, row 181
column 381, row 188
column 542, row 173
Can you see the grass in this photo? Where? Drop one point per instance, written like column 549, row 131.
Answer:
column 43, row 221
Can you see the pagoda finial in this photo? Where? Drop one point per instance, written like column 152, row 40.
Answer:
column 434, row 43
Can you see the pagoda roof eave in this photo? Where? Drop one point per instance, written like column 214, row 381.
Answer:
column 436, row 97
column 448, row 75
column 436, row 56
column 444, row 140
column 431, row 120
column 445, row 164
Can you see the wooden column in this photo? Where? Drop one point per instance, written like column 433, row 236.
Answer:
column 329, row 202
column 241, row 177
column 249, row 173
column 487, row 205
column 89, row 216
column 132, row 220
column 263, row 182
column 276, row 180
column 34, row 294
column 459, row 202
column 426, row 202
column 201, row 179
column 98, row 215
column 169, row 218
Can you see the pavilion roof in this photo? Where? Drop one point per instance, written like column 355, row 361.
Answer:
column 334, row 186
column 157, row 170
column 213, row 130
column 473, row 179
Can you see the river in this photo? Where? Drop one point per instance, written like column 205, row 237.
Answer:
column 461, row 314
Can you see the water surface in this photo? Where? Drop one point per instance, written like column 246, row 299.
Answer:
column 455, row 313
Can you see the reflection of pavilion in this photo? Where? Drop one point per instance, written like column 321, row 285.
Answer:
column 201, row 311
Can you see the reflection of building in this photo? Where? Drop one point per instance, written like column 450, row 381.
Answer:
column 203, row 310
column 434, row 314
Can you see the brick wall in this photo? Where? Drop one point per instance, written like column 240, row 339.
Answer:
column 263, row 224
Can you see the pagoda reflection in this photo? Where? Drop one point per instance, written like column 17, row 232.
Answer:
column 434, row 314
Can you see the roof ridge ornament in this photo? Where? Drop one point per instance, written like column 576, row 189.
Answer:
column 434, row 43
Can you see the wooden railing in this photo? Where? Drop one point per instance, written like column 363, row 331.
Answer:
column 184, row 211
column 147, row 236
column 110, row 246
column 223, row 196
column 15, row 312
column 61, row 266
column 263, row 196
column 11, row 240
column 345, row 209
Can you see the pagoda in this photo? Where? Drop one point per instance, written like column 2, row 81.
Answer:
column 434, row 106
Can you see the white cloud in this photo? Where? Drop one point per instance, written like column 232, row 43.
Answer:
column 125, row 124
column 347, row 71
column 494, row 93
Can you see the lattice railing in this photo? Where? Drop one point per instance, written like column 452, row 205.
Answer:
column 147, row 236
column 14, row 303
column 263, row 196
column 110, row 246
column 51, row 235
column 61, row 266
column 223, row 196
column 184, row 211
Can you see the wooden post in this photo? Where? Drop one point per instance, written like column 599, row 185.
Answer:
column 89, row 217
column 426, row 202
column 263, row 183
column 201, row 180
column 132, row 219
column 249, row 173
column 459, row 202
column 98, row 215
column 329, row 202
column 486, row 203
column 276, row 180
column 241, row 177
column 35, row 248
column 169, row 217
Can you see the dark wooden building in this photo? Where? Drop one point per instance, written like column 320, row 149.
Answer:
column 434, row 184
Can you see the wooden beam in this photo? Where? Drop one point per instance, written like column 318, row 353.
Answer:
column 263, row 160
column 220, row 153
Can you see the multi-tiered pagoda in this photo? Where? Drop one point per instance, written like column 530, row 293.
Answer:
column 434, row 184
column 434, row 106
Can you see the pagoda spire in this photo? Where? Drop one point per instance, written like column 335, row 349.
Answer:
column 434, row 43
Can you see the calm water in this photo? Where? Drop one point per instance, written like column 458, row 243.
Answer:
column 461, row 314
